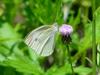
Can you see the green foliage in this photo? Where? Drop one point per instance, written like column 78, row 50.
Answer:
column 19, row 17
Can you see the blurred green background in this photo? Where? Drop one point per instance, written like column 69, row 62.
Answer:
column 19, row 17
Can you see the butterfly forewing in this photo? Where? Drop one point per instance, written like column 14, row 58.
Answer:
column 34, row 34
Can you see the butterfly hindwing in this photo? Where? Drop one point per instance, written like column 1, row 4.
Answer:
column 49, row 46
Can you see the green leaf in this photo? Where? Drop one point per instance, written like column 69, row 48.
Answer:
column 54, row 70
column 23, row 64
column 97, row 3
column 97, row 18
column 83, row 70
column 7, row 35
column 66, row 70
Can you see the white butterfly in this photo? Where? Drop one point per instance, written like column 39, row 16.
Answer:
column 41, row 40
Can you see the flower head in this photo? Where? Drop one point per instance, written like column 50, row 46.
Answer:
column 66, row 31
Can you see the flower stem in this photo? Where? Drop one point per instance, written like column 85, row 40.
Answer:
column 70, row 60
column 94, row 38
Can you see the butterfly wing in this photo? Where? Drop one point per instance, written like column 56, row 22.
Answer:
column 48, row 46
column 34, row 34
column 41, row 40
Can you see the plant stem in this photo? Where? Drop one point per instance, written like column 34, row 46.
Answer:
column 94, row 38
column 70, row 59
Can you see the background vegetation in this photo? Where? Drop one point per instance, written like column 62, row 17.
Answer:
column 19, row 17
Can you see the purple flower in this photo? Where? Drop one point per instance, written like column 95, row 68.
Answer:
column 65, row 29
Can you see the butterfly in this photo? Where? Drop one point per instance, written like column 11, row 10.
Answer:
column 41, row 39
